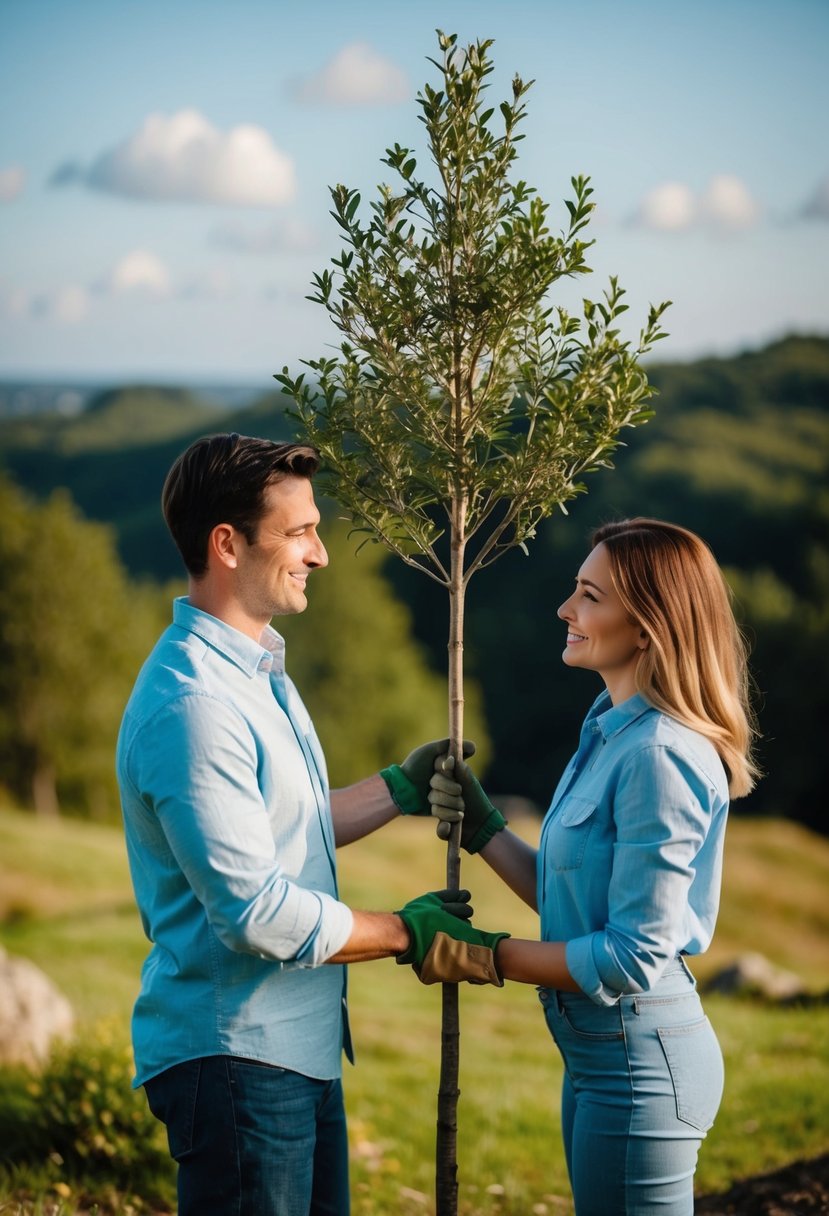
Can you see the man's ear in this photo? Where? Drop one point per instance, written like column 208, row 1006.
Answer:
column 223, row 546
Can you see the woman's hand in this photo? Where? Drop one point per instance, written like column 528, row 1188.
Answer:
column 455, row 796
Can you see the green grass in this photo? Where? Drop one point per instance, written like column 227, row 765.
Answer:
column 65, row 902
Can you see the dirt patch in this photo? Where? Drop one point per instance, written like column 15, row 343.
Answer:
column 799, row 1189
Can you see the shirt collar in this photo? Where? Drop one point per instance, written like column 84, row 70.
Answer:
column 268, row 654
column 612, row 719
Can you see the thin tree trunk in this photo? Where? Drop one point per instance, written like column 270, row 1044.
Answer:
column 446, row 1148
column 45, row 791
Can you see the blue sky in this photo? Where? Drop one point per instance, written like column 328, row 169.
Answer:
column 164, row 165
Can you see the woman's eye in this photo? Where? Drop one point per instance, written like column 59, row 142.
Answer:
column 588, row 596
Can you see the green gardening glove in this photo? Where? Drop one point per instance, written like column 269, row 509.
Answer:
column 444, row 947
column 409, row 782
column 456, row 794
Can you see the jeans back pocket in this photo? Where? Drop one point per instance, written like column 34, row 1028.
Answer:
column 696, row 1067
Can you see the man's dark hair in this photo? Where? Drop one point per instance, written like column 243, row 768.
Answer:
column 222, row 479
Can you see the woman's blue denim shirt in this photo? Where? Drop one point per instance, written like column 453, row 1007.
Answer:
column 631, row 850
column 231, row 848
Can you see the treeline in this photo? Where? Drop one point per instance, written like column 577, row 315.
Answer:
column 737, row 450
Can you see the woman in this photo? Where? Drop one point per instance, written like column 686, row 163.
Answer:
column 627, row 874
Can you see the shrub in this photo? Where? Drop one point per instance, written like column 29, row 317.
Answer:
column 81, row 1115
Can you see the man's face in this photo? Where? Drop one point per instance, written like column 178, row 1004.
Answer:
column 272, row 571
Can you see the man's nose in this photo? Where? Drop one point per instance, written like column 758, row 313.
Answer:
column 318, row 555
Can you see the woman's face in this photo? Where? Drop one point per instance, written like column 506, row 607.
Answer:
column 600, row 635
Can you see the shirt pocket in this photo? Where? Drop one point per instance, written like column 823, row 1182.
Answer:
column 569, row 832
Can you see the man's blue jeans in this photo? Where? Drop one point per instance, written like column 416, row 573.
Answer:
column 642, row 1084
column 253, row 1140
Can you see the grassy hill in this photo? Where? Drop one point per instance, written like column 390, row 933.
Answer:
column 65, row 902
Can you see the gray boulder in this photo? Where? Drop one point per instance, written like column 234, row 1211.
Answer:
column 753, row 975
column 33, row 1013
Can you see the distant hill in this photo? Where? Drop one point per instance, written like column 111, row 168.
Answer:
column 113, row 458
column 117, row 418
column 21, row 398
column 791, row 372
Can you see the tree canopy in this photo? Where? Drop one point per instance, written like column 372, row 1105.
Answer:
column 463, row 397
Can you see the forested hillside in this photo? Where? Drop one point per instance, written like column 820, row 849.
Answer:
column 737, row 450
column 113, row 458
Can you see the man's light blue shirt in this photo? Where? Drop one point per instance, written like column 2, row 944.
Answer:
column 231, row 848
column 630, row 857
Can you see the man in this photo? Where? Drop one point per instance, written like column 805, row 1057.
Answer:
column 241, row 1019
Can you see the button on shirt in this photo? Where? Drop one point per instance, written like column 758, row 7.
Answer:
column 231, row 848
column 630, row 857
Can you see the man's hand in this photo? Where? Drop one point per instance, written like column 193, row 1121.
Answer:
column 456, row 794
column 408, row 783
column 444, row 947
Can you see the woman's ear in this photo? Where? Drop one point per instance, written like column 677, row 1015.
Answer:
column 644, row 641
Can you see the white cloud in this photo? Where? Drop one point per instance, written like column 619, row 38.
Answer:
column 356, row 76
column 70, row 304
column 12, row 181
column 183, row 158
column 284, row 236
column 669, row 208
column 817, row 208
column 67, row 305
column 139, row 271
column 143, row 273
column 727, row 203
column 724, row 206
column 14, row 301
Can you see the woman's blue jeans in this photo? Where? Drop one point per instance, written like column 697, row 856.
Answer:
column 253, row 1140
column 643, row 1081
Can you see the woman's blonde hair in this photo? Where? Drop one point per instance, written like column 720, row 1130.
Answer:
column 695, row 667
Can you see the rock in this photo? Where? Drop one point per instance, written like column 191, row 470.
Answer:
column 33, row 1013
column 754, row 975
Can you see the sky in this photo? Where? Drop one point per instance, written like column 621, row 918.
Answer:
column 165, row 166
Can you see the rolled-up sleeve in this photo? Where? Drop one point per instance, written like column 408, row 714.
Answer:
column 662, row 813
column 195, row 769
